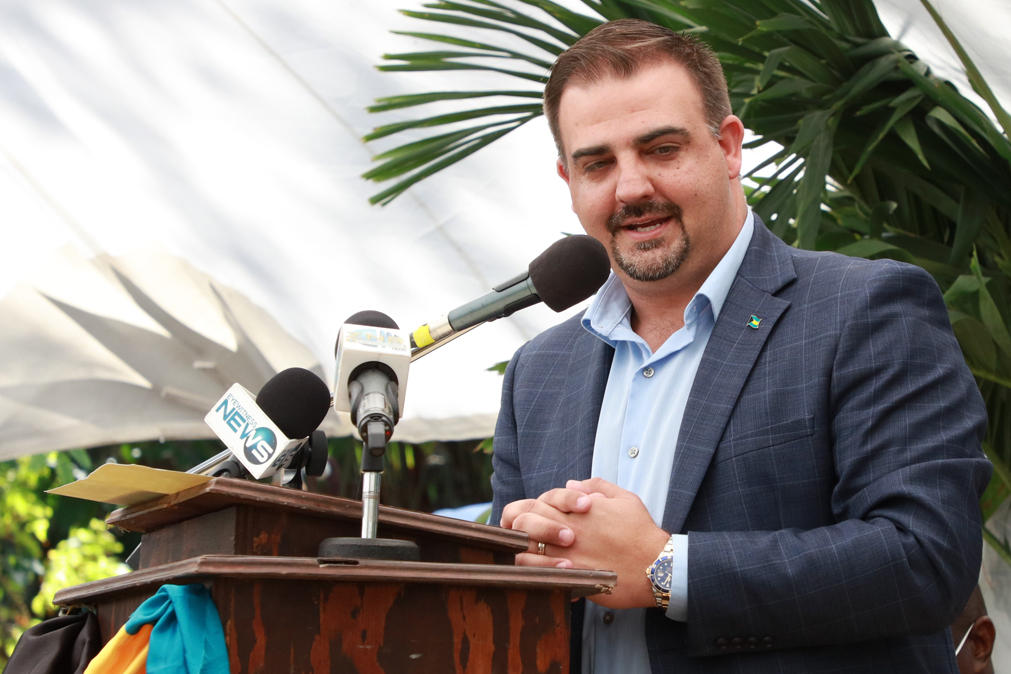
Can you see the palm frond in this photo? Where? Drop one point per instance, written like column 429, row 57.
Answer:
column 880, row 157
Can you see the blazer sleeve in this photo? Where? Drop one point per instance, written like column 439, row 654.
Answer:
column 906, row 425
column 506, row 480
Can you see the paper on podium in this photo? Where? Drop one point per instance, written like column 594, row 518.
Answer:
column 124, row 484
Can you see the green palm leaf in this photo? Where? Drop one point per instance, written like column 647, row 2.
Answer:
column 880, row 157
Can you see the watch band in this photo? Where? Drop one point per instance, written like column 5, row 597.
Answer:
column 661, row 595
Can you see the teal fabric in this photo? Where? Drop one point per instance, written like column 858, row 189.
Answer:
column 187, row 637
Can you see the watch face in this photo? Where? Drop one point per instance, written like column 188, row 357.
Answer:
column 661, row 574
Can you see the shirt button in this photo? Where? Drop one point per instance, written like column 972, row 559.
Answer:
column 608, row 618
column 648, row 372
column 633, row 452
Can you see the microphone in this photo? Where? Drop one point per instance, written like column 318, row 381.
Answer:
column 264, row 434
column 566, row 273
column 373, row 359
column 292, row 404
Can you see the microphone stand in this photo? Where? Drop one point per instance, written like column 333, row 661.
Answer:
column 375, row 411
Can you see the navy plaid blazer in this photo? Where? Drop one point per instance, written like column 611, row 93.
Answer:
column 828, row 468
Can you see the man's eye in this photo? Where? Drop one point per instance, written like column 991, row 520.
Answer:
column 594, row 166
column 665, row 150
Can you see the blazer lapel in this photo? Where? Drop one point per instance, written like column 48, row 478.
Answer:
column 728, row 359
column 591, row 363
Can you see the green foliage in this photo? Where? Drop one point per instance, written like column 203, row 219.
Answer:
column 24, row 524
column 88, row 553
column 879, row 158
column 423, row 477
column 499, row 367
column 40, row 539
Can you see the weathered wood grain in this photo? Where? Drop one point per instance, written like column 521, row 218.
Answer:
column 304, row 615
column 208, row 567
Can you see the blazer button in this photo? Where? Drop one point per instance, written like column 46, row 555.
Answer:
column 608, row 617
column 736, row 643
column 722, row 643
column 752, row 643
column 767, row 642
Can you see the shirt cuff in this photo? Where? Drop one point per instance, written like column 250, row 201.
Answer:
column 677, row 609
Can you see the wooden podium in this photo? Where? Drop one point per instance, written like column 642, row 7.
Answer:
column 463, row 608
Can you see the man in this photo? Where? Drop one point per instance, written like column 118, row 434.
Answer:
column 789, row 440
column 973, row 635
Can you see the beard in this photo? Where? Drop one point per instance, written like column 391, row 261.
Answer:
column 640, row 264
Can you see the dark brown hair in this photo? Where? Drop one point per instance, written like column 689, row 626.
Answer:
column 621, row 49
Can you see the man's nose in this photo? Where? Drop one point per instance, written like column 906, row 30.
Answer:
column 634, row 183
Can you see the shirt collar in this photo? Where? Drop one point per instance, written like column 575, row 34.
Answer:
column 717, row 286
column 607, row 315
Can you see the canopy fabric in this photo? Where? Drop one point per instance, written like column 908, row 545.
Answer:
column 89, row 330
column 227, row 134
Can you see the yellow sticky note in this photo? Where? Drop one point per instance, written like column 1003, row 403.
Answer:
column 125, row 485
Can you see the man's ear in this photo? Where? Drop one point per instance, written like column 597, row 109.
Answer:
column 981, row 642
column 731, row 139
column 562, row 172
column 564, row 175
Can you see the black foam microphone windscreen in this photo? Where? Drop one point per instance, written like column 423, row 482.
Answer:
column 569, row 271
column 296, row 400
column 375, row 319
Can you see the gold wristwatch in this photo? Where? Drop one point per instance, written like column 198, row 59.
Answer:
column 660, row 574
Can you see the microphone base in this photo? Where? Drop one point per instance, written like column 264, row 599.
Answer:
column 369, row 548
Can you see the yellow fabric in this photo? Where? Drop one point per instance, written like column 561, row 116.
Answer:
column 124, row 654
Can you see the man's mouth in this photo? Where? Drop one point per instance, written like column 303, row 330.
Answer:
column 644, row 221
column 645, row 227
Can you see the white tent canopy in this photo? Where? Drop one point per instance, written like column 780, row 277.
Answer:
column 227, row 134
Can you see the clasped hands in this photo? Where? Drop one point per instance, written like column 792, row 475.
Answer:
column 592, row 524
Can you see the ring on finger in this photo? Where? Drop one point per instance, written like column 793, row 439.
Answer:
column 540, row 548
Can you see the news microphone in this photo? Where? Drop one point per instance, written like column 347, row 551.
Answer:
column 566, row 273
column 373, row 360
column 292, row 404
column 266, row 432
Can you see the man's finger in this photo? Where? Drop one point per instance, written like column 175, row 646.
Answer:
column 517, row 508
column 599, row 486
column 531, row 559
column 566, row 500
column 514, row 509
column 541, row 528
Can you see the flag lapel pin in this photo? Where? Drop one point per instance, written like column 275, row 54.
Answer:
column 754, row 322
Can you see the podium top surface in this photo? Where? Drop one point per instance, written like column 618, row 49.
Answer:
column 255, row 568
column 222, row 492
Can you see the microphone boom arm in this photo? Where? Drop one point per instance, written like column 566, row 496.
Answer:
column 419, row 351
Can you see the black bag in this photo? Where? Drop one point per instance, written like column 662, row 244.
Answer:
column 61, row 645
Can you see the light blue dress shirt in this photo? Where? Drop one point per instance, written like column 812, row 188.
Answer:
column 640, row 419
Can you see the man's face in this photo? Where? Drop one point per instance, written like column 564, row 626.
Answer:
column 647, row 177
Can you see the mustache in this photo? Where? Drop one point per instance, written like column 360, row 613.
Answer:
column 661, row 209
